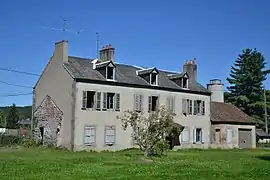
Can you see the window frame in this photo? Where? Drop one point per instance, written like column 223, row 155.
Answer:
column 90, row 126
column 113, row 69
column 112, row 127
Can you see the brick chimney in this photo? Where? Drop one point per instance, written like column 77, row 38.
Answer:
column 190, row 67
column 106, row 53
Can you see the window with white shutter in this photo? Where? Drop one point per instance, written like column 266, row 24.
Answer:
column 98, row 101
column 170, row 103
column 110, row 132
column 185, row 135
column 229, row 136
column 153, row 103
column 184, row 106
column 195, row 111
column 90, row 135
column 117, row 102
column 203, row 107
column 104, row 108
column 190, row 107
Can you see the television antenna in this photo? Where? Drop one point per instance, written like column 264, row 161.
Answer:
column 64, row 29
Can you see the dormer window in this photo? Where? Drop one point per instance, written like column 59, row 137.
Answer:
column 153, row 78
column 180, row 79
column 184, row 82
column 107, row 69
column 110, row 73
column 149, row 75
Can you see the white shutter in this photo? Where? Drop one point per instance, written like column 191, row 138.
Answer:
column 90, row 135
column 98, row 100
column 137, row 102
column 149, row 103
column 185, row 135
column 184, row 105
column 173, row 104
column 84, row 99
column 141, row 103
column 117, row 102
column 168, row 103
column 229, row 136
column 110, row 135
column 202, row 134
column 194, row 135
column 104, row 101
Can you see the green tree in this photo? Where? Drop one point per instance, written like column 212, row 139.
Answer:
column 246, row 82
column 2, row 119
column 12, row 117
column 150, row 131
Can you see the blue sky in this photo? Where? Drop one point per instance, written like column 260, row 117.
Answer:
column 147, row 33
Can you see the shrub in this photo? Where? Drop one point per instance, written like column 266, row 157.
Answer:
column 30, row 143
column 6, row 140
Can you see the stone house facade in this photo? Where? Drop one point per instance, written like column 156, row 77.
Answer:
column 85, row 97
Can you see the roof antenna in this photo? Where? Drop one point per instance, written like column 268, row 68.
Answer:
column 64, row 29
column 97, row 41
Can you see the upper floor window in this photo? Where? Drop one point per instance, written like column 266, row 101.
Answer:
column 138, row 102
column 110, row 73
column 153, row 103
column 180, row 79
column 171, row 103
column 153, row 78
column 150, row 75
column 91, row 100
column 199, row 107
column 184, row 82
column 111, row 101
column 107, row 69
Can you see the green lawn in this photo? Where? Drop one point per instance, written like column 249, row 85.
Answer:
column 190, row 164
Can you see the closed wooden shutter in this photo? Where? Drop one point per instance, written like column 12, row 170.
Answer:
column 90, row 135
column 110, row 133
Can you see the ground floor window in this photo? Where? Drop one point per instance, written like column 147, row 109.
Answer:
column 110, row 133
column 198, row 135
column 89, row 135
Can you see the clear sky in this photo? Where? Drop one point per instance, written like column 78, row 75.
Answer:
column 156, row 33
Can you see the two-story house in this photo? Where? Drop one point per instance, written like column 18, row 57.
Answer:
column 77, row 100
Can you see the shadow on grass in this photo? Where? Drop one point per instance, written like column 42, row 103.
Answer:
column 266, row 158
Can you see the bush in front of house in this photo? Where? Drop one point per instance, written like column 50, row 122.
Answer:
column 7, row 140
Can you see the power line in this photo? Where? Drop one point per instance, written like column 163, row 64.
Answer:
column 21, row 72
column 3, row 82
column 19, row 94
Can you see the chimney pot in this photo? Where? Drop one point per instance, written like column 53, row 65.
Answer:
column 107, row 53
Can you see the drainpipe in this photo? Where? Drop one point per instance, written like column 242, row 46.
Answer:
column 73, row 111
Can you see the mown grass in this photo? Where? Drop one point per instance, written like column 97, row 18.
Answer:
column 189, row 164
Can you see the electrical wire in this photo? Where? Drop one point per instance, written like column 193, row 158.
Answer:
column 19, row 94
column 21, row 72
column 3, row 82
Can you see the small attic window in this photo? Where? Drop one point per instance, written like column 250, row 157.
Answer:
column 185, row 82
column 153, row 78
column 110, row 73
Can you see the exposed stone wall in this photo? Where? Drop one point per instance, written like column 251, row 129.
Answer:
column 48, row 118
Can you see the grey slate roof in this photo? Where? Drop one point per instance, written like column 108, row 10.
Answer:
column 82, row 68
column 261, row 133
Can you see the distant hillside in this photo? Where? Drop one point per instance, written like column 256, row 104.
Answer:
column 24, row 112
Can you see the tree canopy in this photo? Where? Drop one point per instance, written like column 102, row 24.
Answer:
column 246, row 83
column 2, row 119
column 150, row 131
column 12, row 117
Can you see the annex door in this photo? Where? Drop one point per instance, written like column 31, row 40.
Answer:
column 244, row 138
